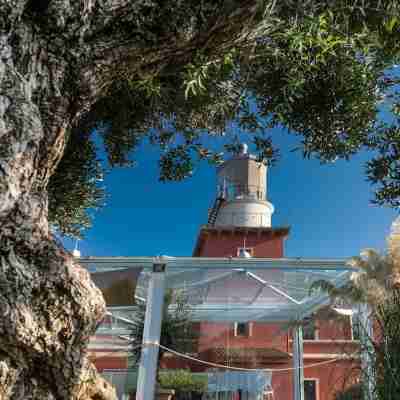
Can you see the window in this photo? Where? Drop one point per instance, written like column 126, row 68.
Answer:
column 309, row 330
column 355, row 327
column 242, row 329
column 310, row 389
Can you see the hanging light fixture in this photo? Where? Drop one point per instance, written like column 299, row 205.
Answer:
column 76, row 252
column 243, row 253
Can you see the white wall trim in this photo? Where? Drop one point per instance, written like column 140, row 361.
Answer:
column 250, row 330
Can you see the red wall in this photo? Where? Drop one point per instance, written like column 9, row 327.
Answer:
column 226, row 245
column 214, row 334
column 331, row 378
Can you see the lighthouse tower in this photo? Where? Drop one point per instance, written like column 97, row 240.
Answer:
column 242, row 193
column 394, row 238
column 240, row 218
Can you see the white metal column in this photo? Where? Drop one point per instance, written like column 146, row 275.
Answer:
column 367, row 352
column 146, row 383
column 298, row 373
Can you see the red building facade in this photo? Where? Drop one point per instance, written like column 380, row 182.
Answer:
column 264, row 345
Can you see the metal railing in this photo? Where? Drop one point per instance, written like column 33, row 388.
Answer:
column 231, row 192
column 241, row 218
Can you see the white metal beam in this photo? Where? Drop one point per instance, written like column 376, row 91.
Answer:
column 119, row 318
column 273, row 288
column 146, row 383
column 211, row 280
column 109, row 263
column 298, row 372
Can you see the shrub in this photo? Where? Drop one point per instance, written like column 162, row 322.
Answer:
column 182, row 381
column 352, row 393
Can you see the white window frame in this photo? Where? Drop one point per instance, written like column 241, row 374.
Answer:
column 351, row 327
column 316, row 386
column 249, row 329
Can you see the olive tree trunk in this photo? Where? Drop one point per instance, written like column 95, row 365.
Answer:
column 57, row 58
column 48, row 305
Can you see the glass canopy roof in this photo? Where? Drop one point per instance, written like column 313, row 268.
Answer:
column 219, row 289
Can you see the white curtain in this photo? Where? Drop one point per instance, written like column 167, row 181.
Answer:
column 224, row 385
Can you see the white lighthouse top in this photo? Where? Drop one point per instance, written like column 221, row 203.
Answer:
column 395, row 228
column 394, row 237
column 243, row 148
column 242, row 189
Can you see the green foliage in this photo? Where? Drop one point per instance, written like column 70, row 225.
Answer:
column 74, row 188
column 320, row 69
column 313, row 80
column 182, row 381
column 387, row 349
column 352, row 393
column 368, row 285
column 384, row 168
column 202, row 71
column 177, row 331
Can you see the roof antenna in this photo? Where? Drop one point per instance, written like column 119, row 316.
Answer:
column 76, row 252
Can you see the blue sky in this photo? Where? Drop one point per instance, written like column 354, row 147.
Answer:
column 328, row 208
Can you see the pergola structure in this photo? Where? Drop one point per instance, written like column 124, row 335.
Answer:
column 223, row 290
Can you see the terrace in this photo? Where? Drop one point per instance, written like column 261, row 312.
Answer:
column 269, row 296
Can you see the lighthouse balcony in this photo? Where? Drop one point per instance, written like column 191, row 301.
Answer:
column 231, row 192
column 242, row 219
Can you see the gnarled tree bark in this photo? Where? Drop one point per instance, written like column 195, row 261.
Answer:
column 57, row 58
